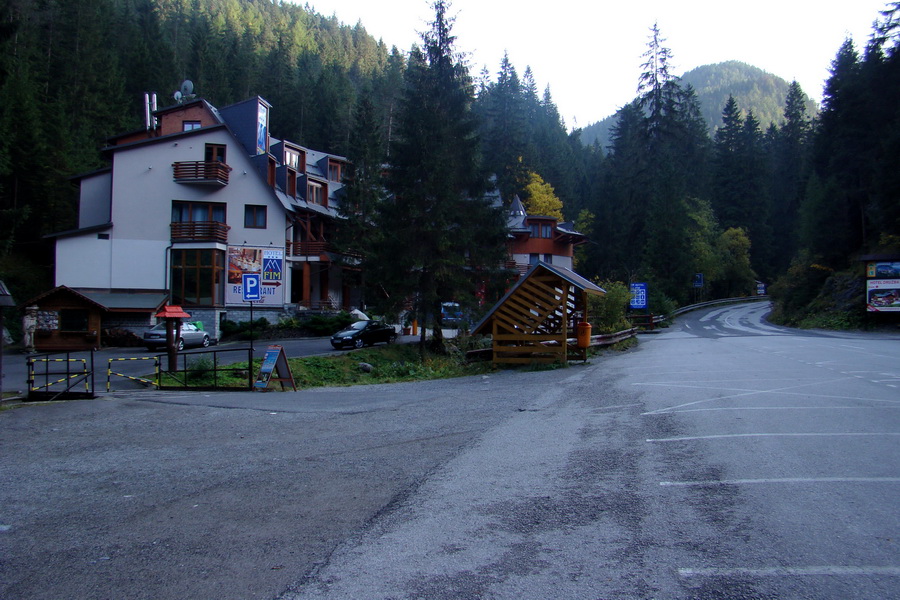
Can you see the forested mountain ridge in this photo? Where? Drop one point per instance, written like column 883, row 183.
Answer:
column 665, row 199
column 754, row 89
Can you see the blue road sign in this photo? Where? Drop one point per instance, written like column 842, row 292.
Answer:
column 638, row 295
column 698, row 280
column 251, row 288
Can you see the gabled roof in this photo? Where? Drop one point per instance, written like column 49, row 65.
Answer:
column 517, row 222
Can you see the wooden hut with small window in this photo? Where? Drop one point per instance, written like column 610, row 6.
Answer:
column 536, row 318
column 71, row 320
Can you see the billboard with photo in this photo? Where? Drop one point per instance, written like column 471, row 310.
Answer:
column 883, row 295
column 882, row 270
column 268, row 263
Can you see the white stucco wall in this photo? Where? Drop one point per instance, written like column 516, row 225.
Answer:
column 139, row 264
column 83, row 261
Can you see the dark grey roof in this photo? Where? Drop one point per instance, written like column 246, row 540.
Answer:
column 83, row 230
column 126, row 300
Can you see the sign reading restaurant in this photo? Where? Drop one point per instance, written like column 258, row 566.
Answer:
column 267, row 263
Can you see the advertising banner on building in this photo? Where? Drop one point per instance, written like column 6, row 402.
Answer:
column 267, row 263
column 883, row 295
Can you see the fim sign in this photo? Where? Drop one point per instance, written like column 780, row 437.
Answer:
column 638, row 295
column 252, row 287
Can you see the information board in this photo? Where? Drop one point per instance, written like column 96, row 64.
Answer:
column 274, row 367
column 638, row 295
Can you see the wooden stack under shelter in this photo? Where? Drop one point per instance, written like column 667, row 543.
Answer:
column 533, row 322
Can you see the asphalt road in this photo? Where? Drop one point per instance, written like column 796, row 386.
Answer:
column 721, row 458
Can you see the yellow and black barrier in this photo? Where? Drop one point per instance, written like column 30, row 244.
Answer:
column 110, row 372
column 69, row 374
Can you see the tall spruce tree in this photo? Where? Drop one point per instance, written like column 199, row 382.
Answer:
column 789, row 148
column 355, row 237
column 440, row 232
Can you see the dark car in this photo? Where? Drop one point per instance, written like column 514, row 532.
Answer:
column 190, row 335
column 364, row 333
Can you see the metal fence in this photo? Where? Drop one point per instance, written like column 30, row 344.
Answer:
column 61, row 377
column 206, row 370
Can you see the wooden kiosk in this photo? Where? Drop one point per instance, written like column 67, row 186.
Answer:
column 536, row 318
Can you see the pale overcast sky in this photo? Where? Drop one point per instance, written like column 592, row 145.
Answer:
column 589, row 52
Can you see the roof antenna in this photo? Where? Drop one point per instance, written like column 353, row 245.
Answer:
column 185, row 93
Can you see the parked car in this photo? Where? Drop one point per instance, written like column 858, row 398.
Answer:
column 364, row 333
column 190, row 335
column 451, row 314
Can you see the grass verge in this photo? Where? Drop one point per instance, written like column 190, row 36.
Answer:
column 389, row 364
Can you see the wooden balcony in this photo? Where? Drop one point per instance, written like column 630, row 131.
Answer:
column 307, row 248
column 200, row 231
column 201, row 172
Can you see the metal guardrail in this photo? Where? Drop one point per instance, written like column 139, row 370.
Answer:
column 689, row 308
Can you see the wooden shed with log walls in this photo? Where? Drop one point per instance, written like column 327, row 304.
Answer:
column 536, row 318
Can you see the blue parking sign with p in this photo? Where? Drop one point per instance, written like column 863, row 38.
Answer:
column 252, row 287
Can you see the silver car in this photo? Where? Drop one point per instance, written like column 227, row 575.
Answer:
column 190, row 335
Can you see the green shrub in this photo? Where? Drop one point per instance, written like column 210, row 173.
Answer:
column 320, row 325
column 607, row 313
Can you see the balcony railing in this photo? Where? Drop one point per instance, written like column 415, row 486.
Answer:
column 201, row 172
column 307, row 248
column 200, row 231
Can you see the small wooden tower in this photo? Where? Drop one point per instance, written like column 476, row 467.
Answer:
column 535, row 319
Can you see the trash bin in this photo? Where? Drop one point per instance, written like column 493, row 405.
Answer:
column 584, row 335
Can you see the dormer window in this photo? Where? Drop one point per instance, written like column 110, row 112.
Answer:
column 315, row 193
column 334, row 170
column 190, row 125
column 541, row 230
column 292, row 159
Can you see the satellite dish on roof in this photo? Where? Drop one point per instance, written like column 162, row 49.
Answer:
column 187, row 88
column 177, row 96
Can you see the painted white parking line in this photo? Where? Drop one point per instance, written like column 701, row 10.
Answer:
column 689, row 410
column 782, row 390
column 793, row 571
column 755, row 435
column 780, row 480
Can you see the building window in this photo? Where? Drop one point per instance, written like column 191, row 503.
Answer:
column 214, row 153
column 292, row 184
column 190, row 125
column 535, row 230
column 334, row 171
column 292, row 159
column 73, row 319
column 198, row 277
column 546, row 231
column 315, row 194
column 548, row 258
column 198, row 212
column 533, row 259
column 254, row 216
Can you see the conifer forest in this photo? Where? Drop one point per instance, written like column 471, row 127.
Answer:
column 792, row 202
